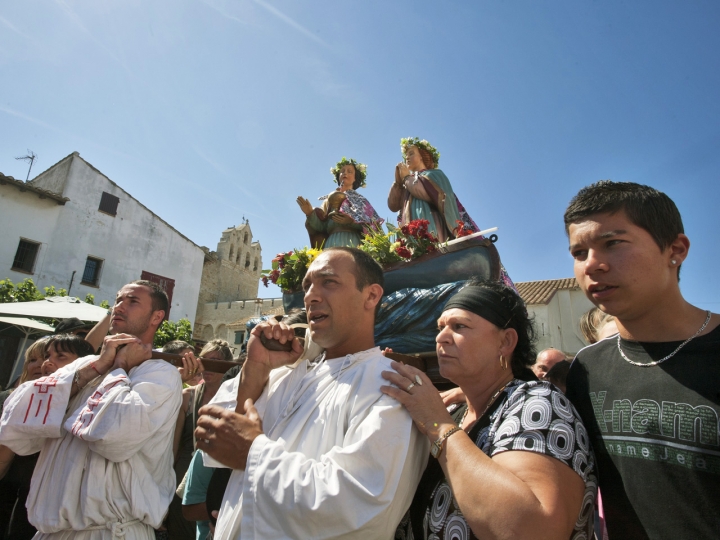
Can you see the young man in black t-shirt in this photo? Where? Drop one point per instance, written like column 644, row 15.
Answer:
column 650, row 395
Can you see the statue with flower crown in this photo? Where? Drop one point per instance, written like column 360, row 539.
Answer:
column 422, row 191
column 344, row 213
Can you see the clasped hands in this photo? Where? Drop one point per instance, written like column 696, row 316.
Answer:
column 122, row 351
column 227, row 435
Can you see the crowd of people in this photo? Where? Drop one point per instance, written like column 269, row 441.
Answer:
column 329, row 438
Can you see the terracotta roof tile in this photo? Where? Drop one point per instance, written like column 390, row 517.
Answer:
column 541, row 292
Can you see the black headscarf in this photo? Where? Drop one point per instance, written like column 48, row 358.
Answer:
column 486, row 303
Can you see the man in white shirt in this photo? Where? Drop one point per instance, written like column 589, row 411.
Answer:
column 103, row 426
column 317, row 450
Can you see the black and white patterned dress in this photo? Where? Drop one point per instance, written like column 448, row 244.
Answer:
column 531, row 416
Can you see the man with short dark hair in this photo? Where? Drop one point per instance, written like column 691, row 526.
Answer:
column 103, row 425
column 649, row 397
column 317, row 450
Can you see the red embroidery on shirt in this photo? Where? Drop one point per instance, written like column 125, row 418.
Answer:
column 45, row 383
column 28, row 409
column 85, row 418
column 38, row 409
column 47, row 411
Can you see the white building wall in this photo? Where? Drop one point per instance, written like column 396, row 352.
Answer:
column 558, row 323
column 15, row 207
column 128, row 243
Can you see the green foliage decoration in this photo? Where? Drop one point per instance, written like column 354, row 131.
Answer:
column 105, row 304
column 90, row 299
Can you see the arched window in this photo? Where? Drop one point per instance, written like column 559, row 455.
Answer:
column 247, row 260
column 208, row 333
column 255, row 266
column 246, row 238
column 239, row 255
column 232, row 252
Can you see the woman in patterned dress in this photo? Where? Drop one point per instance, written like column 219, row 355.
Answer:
column 515, row 462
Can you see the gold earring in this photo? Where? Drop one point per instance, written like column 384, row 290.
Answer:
column 503, row 362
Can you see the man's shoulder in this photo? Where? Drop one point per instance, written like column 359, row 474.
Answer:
column 156, row 371
column 373, row 362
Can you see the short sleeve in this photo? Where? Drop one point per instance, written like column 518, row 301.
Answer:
column 198, row 479
column 538, row 418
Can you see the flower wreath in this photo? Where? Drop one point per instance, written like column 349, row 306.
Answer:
column 415, row 141
column 360, row 170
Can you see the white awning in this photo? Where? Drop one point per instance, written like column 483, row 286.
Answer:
column 27, row 323
column 55, row 307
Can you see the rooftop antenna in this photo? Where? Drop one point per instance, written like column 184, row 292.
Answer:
column 31, row 158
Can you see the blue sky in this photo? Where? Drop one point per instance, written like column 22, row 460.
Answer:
column 211, row 110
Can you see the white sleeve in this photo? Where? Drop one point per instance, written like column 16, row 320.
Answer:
column 35, row 411
column 367, row 483
column 124, row 412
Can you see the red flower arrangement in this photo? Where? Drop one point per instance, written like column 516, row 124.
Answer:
column 461, row 231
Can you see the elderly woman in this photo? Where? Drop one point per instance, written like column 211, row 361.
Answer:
column 515, row 462
column 344, row 213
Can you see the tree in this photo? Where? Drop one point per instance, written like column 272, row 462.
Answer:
column 25, row 291
column 50, row 291
column 170, row 331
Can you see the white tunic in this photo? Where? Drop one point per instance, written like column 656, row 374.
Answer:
column 105, row 465
column 339, row 459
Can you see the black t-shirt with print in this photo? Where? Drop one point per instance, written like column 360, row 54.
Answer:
column 655, row 435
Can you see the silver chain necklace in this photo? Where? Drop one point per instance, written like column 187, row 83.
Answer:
column 656, row 362
column 492, row 399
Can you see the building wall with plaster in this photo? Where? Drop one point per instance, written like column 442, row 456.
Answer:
column 130, row 242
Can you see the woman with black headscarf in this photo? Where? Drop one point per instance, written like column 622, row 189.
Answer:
column 515, row 461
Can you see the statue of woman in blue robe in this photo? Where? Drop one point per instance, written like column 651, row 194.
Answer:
column 422, row 191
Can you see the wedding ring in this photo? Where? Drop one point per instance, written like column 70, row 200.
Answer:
column 418, row 380
column 410, row 386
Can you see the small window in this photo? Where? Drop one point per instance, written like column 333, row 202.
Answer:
column 109, row 204
column 239, row 337
column 247, row 261
column 91, row 275
column 25, row 256
column 246, row 238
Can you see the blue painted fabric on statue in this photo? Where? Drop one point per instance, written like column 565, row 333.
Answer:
column 407, row 321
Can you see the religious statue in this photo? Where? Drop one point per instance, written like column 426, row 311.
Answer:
column 344, row 212
column 422, row 191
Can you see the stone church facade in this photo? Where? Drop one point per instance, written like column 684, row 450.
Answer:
column 229, row 288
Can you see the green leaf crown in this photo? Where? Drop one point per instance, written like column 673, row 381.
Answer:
column 416, row 141
column 360, row 170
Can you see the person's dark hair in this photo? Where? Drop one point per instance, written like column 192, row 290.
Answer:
column 70, row 343
column 356, row 184
column 177, row 346
column 558, row 373
column 644, row 206
column 525, row 352
column 159, row 296
column 367, row 270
